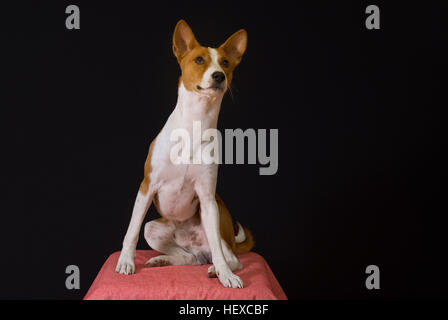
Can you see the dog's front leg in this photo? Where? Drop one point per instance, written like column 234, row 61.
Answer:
column 210, row 223
column 125, row 263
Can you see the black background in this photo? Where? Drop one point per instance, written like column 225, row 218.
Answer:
column 360, row 114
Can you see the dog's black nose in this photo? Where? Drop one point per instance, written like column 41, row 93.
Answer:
column 218, row 76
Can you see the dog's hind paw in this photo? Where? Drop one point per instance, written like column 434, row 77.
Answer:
column 159, row 261
column 211, row 272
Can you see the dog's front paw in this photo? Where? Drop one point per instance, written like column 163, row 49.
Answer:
column 226, row 277
column 234, row 265
column 125, row 264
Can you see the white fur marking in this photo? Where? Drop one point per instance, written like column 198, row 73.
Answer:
column 214, row 66
column 214, row 55
column 241, row 236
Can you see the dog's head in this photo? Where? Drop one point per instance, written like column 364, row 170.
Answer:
column 205, row 70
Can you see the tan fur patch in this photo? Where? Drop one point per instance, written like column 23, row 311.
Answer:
column 191, row 71
column 229, row 69
column 228, row 233
column 225, row 223
column 144, row 185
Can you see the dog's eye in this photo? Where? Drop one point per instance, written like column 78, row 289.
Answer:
column 225, row 63
column 199, row 60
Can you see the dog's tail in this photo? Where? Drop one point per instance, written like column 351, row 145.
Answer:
column 243, row 239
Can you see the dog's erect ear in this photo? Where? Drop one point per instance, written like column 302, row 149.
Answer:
column 235, row 46
column 183, row 40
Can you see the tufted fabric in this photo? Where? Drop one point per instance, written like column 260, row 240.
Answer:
column 183, row 282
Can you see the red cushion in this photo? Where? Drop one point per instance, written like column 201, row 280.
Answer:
column 183, row 282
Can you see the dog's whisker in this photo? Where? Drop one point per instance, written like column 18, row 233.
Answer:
column 231, row 93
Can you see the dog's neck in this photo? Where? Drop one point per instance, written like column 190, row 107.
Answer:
column 192, row 106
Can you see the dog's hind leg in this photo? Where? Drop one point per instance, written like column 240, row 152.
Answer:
column 159, row 235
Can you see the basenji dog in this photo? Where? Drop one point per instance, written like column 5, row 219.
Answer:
column 195, row 226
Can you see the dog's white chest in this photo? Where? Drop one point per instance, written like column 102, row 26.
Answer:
column 176, row 182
